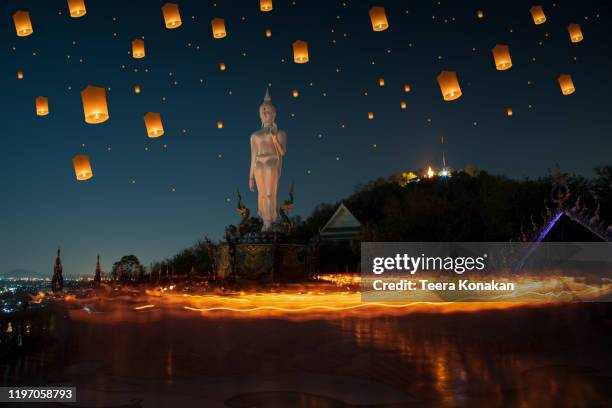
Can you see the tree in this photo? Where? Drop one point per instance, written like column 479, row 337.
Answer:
column 602, row 190
column 127, row 268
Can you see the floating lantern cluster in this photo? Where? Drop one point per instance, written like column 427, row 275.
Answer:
column 94, row 101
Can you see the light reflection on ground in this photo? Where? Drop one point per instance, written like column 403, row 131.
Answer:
column 315, row 346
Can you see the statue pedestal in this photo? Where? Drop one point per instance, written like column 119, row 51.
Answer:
column 262, row 257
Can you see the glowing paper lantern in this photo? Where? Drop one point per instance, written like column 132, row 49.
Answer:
column 449, row 85
column 268, row 33
column 23, row 25
column 154, row 125
column 77, row 8
column 566, row 84
column 381, row 82
column 501, row 55
column 172, row 16
column 222, row 66
column 295, row 93
column 370, row 115
column 218, row 27
column 219, row 124
column 406, row 88
column 265, row 5
column 378, row 17
column 136, row 88
column 42, row 106
column 138, row 48
column 94, row 104
column 300, row 52
column 509, row 112
column 575, row 33
column 537, row 13
column 403, row 104
column 82, row 167
column 19, row 75
column 479, row 14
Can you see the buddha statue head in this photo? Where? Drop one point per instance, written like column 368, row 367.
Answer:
column 267, row 112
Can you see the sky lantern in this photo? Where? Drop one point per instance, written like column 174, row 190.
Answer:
column 300, row 52
column 449, row 85
column 403, row 104
column 219, row 124
column 566, row 84
column 137, row 89
column 19, row 74
column 172, row 16
column 378, row 17
column 42, row 106
column 370, row 115
column 265, row 5
column 77, row 8
column 154, row 125
column 23, row 25
column 295, row 93
column 501, row 55
column 218, row 28
column 575, row 33
column 222, row 66
column 509, row 112
column 406, row 88
column 480, row 14
column 381, row 81
column 268, row 33
column 94, row 104
column 82, row 167
column 138, row 48
column 537, row 13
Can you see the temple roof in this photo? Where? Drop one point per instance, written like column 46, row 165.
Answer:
column 341, row 225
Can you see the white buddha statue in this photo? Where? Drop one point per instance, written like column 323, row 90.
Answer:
column 268, row 146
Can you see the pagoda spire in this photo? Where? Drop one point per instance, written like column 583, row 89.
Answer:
column 98, row 276
column 57, row 281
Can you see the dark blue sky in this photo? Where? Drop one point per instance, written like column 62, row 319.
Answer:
column 153, row 197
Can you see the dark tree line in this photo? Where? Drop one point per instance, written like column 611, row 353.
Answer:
column 469, row 206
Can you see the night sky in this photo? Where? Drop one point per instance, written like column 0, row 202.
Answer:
column 154, row 197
